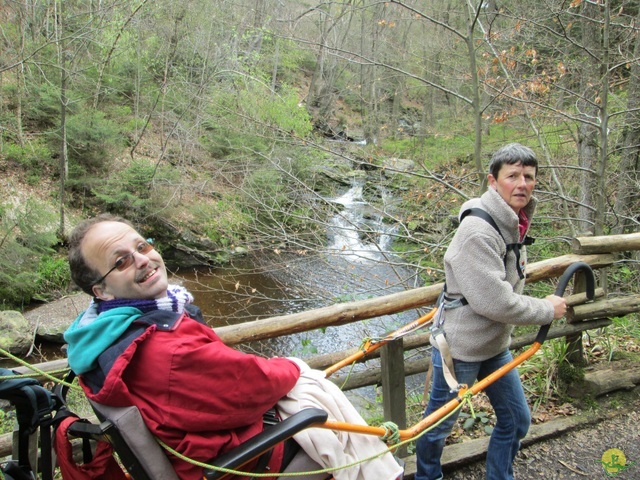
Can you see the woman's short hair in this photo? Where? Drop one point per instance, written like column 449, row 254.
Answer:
column 512, row 154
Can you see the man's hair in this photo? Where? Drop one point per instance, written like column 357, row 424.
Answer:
column 82, row 274
column 512, row 154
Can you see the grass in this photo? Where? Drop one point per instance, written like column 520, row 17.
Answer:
column 540, row 374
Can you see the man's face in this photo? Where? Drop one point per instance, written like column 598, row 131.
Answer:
column 515, row 184
column 145, row 278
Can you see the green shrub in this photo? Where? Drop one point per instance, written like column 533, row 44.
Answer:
column 54, row 277
column 223, row 139
column 282, row 110
column 28, row 233
column 252, row 119
column 42, row 106
column 16, row 287
column 9, row 123
column 223, row 222
column 134, row 190
column 33, row 157
column 90, row 136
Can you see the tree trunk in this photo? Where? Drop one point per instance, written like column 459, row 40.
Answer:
column 107, row 60
column 315, row 85
column 600, row 191
column 276, row 61
column 587, row 131
column 64, row 162
column 626, row 203
column 477, row 109
column 20, row 77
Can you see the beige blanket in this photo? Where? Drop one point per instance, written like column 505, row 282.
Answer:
column 336, row 449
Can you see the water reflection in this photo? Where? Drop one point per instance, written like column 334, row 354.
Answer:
column 242, row 291
column 247, row 291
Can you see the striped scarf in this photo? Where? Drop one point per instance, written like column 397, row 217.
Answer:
column 177, row 297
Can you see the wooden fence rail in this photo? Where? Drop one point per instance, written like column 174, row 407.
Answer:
column 344, row 313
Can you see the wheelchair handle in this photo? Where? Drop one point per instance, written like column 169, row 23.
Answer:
column 562, row 285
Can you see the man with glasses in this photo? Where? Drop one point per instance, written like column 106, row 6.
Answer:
column 142, row 342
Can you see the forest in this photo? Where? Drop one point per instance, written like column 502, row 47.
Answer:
column 222, row 127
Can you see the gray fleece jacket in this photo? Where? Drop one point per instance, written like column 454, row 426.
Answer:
column 474, row 268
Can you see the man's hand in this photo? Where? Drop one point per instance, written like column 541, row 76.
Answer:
column 559, row 306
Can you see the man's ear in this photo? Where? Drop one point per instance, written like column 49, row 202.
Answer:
column 100, row 293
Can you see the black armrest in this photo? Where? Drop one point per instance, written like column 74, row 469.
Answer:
column 265, row 440
column 88, row 430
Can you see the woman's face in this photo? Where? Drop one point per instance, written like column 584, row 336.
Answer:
column 515, row 184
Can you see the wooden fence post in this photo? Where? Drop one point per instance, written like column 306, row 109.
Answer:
column 393, row 386
column 575, row 348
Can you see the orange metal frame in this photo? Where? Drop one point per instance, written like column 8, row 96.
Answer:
column 371, row 346
column 442, row 411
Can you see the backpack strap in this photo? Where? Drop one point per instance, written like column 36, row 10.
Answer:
column 483, row 214
column 516, row 247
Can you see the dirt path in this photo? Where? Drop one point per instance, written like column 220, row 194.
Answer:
column 579, row 453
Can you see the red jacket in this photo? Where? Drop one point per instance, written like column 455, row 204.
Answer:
column 197, row 395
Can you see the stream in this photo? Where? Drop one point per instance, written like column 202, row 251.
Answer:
column 357, row 263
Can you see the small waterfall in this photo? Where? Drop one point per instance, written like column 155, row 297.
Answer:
column 357, row 233
column 356, row 263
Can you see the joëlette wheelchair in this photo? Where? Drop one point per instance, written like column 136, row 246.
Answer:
column 144, row 459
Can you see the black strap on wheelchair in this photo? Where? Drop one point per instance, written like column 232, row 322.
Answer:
column 60, row 391
column 34, row 406
column 290, row 448
column 269, row 418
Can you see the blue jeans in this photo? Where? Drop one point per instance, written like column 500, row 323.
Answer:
column 508, row 401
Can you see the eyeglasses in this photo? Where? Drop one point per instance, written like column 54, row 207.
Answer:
column 125, row 261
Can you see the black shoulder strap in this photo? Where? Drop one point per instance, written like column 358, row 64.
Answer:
column 483, row 214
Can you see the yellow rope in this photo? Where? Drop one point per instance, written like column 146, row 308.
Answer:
column 239, row 472
column 466, row 399
column 279, row 474
column 392, row 433
column 353, row 364
column 37, row 371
